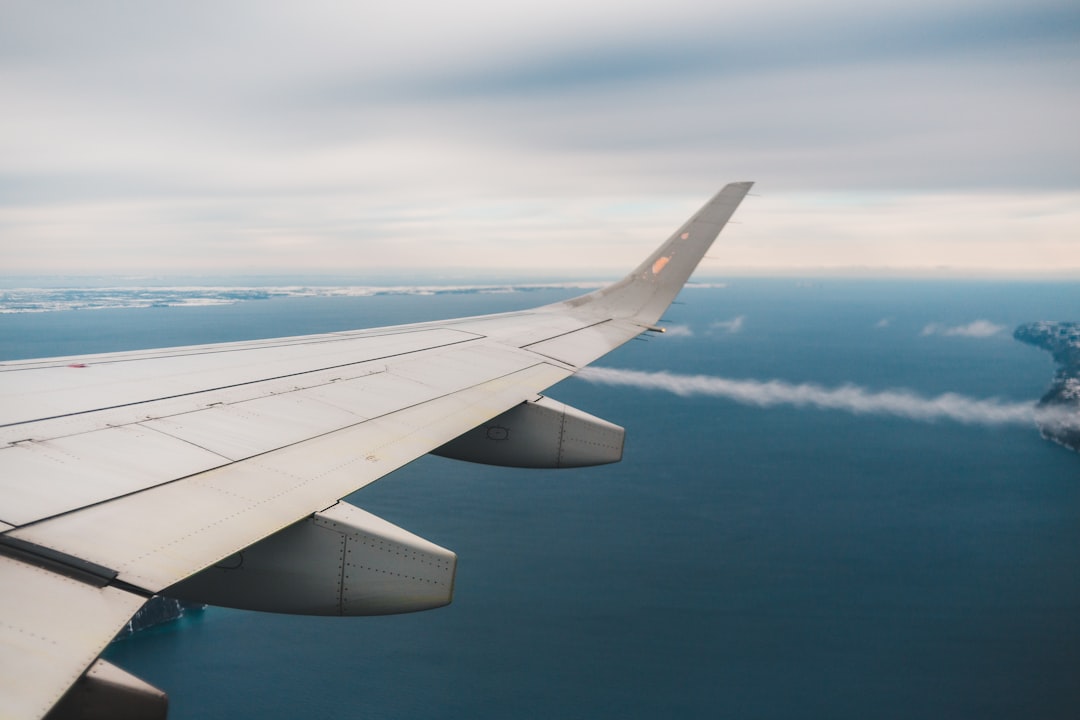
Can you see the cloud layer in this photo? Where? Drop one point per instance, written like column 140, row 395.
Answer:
column 266, row 137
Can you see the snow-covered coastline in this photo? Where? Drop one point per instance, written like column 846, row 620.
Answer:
column 1062, row 340
column 36, row 300
column 158, row 610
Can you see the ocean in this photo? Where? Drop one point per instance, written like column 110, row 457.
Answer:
column 742, row 561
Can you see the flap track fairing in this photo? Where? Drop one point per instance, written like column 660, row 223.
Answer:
column 541, row 433
column 341, row 561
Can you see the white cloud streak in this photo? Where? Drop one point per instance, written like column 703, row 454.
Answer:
column 732, row 326
column 976, row 329
column 847, row 398
column 678, row 331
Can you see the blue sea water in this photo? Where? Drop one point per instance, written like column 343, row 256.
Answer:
column 739, row 563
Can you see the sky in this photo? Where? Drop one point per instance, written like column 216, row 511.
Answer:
column 929, row 138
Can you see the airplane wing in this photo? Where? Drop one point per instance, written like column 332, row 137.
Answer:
column 215, row 472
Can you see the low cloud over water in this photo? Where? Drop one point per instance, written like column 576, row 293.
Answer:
column 846, row 398
column 976, row 329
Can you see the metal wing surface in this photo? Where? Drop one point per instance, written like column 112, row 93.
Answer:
column 124, row 474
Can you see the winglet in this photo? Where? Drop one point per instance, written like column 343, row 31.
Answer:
column 646, row 293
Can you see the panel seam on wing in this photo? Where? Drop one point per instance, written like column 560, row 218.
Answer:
column 241, row 384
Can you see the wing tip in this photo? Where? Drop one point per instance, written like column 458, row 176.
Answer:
column 743, row 187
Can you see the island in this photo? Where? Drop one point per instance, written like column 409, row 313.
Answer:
column 1062, row 339
column 158, row 610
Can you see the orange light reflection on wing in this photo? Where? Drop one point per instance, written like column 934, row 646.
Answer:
column 659, row 264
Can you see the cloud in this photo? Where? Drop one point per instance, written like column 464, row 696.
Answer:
column 732, row 326
column 847, row 398
column 883, row 323
column 190, row 137
column 976, row 329
column 678, row 331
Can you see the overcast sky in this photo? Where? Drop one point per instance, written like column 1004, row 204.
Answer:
column 928, row 136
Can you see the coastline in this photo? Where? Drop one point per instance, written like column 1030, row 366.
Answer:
column 1062, row 340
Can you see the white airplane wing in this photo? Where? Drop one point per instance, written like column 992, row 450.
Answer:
column 215, row 472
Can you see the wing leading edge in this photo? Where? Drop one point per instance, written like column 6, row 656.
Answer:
column 124, row 474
